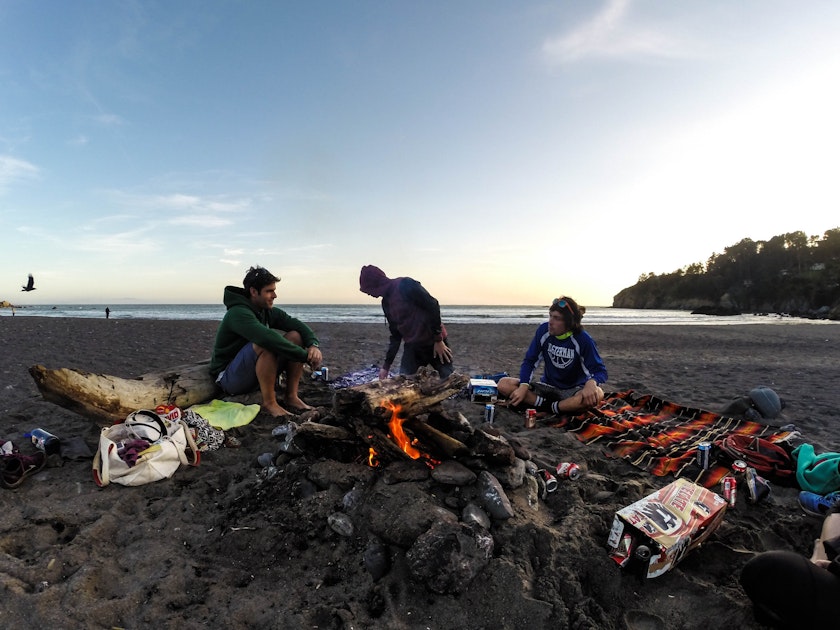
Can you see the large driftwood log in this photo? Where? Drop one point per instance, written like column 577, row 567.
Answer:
column 414, row 395
column 107, row 398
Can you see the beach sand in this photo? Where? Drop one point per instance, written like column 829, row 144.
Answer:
column 215, row 547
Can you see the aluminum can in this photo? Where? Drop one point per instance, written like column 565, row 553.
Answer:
column 704, row 455
column 550, row 480
column 530, row 418
column 739, row 466
column 568, row 470
column 45, row 441
column 325, row 373
column 730, row 489
column 489, row 413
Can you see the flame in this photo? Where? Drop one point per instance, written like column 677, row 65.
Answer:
column 372, row 461
column 397, row 434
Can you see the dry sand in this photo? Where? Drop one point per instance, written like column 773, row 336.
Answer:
column 212, row 547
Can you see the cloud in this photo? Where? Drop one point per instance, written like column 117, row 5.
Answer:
column 14, row 170
column 200, row 220
column 610, row 35
column 109, row 120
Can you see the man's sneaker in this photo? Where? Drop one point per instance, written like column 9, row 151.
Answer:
column 818, row 505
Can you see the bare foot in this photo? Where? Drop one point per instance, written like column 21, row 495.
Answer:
column 297, row 404
column 275, row 410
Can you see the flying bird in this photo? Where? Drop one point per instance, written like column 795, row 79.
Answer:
column 30, row 285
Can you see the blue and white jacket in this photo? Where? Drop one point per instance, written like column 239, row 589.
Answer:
column 570, row 360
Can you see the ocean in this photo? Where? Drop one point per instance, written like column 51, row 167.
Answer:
column 372, row 313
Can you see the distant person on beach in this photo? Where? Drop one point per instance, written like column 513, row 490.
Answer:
column 790, row 591
column 414, row 321
column 573, row 373
column 256, row 341
column 107, row 313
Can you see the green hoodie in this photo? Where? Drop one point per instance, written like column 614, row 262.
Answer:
column 243, row 323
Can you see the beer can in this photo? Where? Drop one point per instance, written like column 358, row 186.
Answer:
column 730, row 486
column 489, row 413
column 568, row 470
column 549, row 479
column 704, row 455
column 739, row 466
column 325, row 374
column 530, row 418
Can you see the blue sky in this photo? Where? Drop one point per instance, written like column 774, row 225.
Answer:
column 499, row 152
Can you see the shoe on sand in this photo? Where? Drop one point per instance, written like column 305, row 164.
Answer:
column 16, row 467
column 815, row 504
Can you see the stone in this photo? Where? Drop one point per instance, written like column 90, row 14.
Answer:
column 493, row 497
column 453, row 473
column 449, row 556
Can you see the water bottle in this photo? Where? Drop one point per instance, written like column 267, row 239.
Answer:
column 45, row 441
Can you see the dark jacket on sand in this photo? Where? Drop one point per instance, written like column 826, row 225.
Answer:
column 243, row 324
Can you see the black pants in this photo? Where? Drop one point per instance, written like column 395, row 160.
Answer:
column 790, row 591
column 416, row 356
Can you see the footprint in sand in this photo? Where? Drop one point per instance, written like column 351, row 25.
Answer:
column 641, row 620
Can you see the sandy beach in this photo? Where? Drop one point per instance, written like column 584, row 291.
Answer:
column 217, row 546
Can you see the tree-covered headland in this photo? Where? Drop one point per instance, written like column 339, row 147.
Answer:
column 793, row 273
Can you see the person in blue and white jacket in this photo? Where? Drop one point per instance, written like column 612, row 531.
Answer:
column 574, row 371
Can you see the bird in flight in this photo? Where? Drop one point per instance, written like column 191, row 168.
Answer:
column 30, row 284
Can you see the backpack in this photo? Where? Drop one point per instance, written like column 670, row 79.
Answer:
column 770, row 460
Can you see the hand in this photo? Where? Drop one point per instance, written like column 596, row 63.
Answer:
column 590, row 393
column 384, row 373
column 443, row 352
column 517, row 396
column 314, row 357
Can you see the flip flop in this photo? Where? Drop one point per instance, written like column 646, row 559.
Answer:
column 16, row 468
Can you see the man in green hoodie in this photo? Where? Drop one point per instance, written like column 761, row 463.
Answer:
column 256, row 341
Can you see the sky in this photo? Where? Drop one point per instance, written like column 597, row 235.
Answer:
column 499, row 152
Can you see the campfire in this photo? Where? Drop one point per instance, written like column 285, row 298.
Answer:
column 379, row 435
column 401, row 419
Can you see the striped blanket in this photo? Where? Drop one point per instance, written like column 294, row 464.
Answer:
column 661, row 437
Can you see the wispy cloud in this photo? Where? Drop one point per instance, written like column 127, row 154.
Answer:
column 13, row 170
column 610, row 35
column 109, row 120
column 202, row 220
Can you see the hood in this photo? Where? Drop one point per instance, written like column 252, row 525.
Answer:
column 237, row 296
column 373, row 281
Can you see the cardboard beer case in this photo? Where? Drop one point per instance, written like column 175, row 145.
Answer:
column 660, row 529
column 483, row 390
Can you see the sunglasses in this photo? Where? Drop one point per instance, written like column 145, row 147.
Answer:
column 562, row 303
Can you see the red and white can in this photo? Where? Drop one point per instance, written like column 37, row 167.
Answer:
column 739, row 466
column 530, row 418
column 549, row 479
column 730, row 489
column 568, row 470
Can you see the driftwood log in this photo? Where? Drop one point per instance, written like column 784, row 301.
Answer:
column 413, row 395
column 108, row 399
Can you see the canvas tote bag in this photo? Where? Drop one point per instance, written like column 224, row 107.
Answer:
column 143, row 449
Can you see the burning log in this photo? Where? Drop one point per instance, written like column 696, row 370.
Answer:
column 414, row 395
column 448, row 445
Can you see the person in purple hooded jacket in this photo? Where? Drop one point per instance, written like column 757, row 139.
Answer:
column 413, row 317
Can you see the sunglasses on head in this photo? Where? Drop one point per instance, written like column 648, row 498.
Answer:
column 563, row 303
